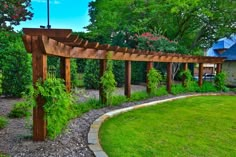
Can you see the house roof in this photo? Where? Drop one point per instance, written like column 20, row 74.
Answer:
column 224, row 43
column 230, row 53
column 228, row 45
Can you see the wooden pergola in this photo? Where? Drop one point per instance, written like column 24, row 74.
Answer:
column 61, row 43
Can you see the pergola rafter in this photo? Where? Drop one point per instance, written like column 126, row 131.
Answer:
column 79, row 48
column 62, row 43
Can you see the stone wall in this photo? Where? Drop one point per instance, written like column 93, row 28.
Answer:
column 229, row 67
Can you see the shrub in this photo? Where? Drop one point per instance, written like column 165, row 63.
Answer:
column 20, row 110
column 91, row 74
column 3, row 122
column 118, row 99
column 178, row 89
column 119, row 72
column 59, row 107
column 54, row 69
column 161, row 91
column 81, row 63
column 108, row 81
column 138, row 72
column 0, row 82
column 188, row 78
column 92, row 77
column 154, row 79
column 140, row 95
column 220, row 81
column 15, row 64
column 207, row 87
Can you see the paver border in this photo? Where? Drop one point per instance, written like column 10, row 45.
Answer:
column 93, row 139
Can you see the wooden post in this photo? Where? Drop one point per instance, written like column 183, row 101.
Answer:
column 102, row 70
column 39, row 61
column 149, row 67
column 185, row 68
column 65, row 72
column 128, row 79
column 218, row 68
column 169, row 77
column 200, row 74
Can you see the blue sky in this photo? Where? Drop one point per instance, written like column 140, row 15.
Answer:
column 72, row 14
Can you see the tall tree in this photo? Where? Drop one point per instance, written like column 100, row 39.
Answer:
column 193, row 23
column 14, row 11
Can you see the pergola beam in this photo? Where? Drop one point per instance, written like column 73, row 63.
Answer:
column 52, row 47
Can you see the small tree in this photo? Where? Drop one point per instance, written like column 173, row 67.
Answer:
column 108, row 80
column 154, row 79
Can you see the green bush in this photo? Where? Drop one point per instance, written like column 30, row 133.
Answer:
column 3, row 122
column 161, row 91
column 139, row 95
column 20, row 110
column 15, row 64
column 81, row 63
column 138, row 72
column 0, row 82
column 119, row 72
column 92, row 77
column 59, row 107
column 207, row 87
column 118, row 99
column 220, row 81
column 54, row 69
column 188, row 78
column 91, row 74
column 154, row 79
column 178, row 89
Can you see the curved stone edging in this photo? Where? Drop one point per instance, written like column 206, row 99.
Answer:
column 93, row 140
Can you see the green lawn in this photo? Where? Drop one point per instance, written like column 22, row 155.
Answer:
column 199, row 126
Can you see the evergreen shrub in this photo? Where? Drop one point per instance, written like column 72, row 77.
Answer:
column 91, row 74
column 15, row 64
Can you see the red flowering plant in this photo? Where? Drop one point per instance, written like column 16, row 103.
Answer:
column 12, row 12
column 152, row 42
column 159, row 43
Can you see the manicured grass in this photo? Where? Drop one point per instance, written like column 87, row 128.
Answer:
column 197, row 126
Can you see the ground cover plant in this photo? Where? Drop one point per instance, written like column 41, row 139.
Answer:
column 197, row 126
column 3, row 122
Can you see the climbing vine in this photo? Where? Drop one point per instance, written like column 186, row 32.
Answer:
column 108, row 80
column 154, row 79
column 58, row 105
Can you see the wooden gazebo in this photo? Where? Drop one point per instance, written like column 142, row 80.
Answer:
column 61, row 43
